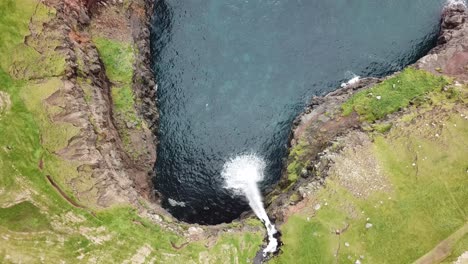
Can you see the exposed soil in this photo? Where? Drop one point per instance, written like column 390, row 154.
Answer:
column 360, row 174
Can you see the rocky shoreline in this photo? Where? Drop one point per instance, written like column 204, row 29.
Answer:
column 320, row 118
column 321, row 123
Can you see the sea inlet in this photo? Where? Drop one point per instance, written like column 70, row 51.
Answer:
column 232, row 75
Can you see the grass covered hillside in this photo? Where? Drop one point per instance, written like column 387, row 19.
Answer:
column 397, row 188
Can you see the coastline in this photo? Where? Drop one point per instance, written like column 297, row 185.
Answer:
column 76, row 160
column 145, row 87
column 335, row 158
column 323, row 118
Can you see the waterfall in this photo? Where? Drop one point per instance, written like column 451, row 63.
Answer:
column 242, row 175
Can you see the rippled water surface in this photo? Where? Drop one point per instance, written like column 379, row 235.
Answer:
column 233, row 74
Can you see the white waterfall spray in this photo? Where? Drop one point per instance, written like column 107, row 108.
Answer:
column 352, row 81
column 242, row 175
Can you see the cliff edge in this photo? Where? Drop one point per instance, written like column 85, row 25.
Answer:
column 376, row 170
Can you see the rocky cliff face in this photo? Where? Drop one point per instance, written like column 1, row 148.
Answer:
column 450, row 57
column 113, row 156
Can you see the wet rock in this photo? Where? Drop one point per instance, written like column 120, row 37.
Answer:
column 454, row 21
column 95, row 68
column 130, row 125
column 84, row 18
column 195, row 233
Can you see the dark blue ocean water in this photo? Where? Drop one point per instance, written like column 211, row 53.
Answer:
column 233, row 74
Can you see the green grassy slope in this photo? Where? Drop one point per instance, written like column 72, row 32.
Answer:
column 423, row 159
column 393, row 94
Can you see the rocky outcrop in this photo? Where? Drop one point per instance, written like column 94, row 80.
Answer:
column 453, row 18
column 99, row 141
column 105, row 172
column 450, row 57
column 144, row 84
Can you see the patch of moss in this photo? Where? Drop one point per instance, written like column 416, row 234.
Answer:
column 254, row 222
column 54, row 135
column 15, row 16
column 295, row 163
column 233, row 248
column 295, row 197
column 23, row 217
column 118, row 58
column 87, row 90
column 382, row 128
column 409, row 117
column 27, row 63
column 294, row 170
column 124, row 104
column 299, row 149
column 74, row 241
column 393, row 94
